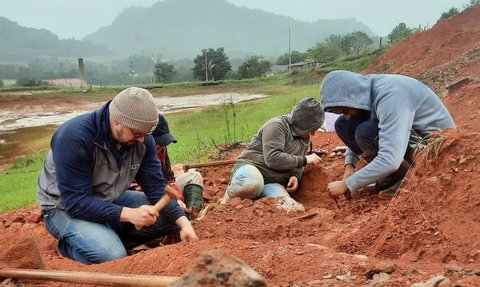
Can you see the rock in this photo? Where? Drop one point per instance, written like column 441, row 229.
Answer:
column 381, row 268
column 432, row 282
column 24, row 253
column 34, row 217
column 217, row 268
column 289, row 204
column 235, row 201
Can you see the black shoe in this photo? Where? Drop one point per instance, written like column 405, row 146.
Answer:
column 385, row 183
column 390, row 192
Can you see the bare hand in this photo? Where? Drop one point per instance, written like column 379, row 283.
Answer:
column 186, row 230
column 337, row 188
column 142, row 216
column 292, row 184
column 313, row 159
column 172, row 192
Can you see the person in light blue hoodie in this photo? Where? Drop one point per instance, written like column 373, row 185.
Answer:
column 381, row 116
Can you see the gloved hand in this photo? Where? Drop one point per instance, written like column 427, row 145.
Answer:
column 178, row 191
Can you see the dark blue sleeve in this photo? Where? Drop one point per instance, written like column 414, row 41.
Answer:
column 152, row 181
column 72, row 147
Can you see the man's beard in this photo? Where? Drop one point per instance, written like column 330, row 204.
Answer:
column 131, row 143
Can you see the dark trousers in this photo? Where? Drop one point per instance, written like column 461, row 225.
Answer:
column 361, row 136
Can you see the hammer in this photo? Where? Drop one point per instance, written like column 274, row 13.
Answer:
column 170, row 193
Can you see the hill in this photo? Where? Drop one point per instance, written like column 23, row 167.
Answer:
column 182, row 28
column 22, row 44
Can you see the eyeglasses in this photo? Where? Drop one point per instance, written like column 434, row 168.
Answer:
column 138, row 135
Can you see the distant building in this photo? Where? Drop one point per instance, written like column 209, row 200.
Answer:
column 298, row 65
column 75, row 82
column 306, row 65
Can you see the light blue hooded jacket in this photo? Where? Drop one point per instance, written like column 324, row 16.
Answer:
column 401, row 105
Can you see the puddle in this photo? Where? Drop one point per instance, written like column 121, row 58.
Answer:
column 25, row 126
column 41, row 115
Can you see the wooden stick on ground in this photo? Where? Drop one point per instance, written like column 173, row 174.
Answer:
column 92, row 278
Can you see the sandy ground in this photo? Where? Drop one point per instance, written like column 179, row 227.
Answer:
column 427, row 234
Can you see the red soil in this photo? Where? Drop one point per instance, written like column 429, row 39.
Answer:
column 431, row 227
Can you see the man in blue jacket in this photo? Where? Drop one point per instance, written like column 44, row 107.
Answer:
column 82, row 189
column 381, row 115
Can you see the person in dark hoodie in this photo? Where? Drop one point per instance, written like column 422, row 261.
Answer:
column 83, row 188
column 272, row 165
column 382, row 116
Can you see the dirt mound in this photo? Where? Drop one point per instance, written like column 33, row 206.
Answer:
column 436, row 214
column 440, row 56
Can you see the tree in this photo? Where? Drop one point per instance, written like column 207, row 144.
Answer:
column 164, row 72
column 399, row 32
column 296, row 57
column 30, row 82
column 335, row 40
column 255, row 66
column 356, row 42
column 452, row 12
column 211, row 65
column 325, row 52
column 473, row 3
column 1, row 83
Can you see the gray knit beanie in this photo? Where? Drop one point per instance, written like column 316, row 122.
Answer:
column 134, row 108
column 306, row 116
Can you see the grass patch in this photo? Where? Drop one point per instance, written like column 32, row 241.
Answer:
column 17, row 184
column 354, row 64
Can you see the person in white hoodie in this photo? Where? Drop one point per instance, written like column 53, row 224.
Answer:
column 381, row 115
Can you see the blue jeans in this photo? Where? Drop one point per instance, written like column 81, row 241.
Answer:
column 90, row 242
column 361, row 136
column 247, row 182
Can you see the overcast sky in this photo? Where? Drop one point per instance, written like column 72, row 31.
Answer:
column 78, row 18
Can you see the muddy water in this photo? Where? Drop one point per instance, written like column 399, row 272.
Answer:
column 26, row 128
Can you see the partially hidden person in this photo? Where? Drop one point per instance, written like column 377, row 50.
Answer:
column 273, row 163
column 83, row 187
column 188, row 185
column 383, row 117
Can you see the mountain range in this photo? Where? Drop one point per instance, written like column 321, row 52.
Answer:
column 21, row 44
column 178, row 29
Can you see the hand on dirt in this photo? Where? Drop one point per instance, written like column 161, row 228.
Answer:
column 313, row 159
column 337, row 188
column 292, row 184
column 186, row 230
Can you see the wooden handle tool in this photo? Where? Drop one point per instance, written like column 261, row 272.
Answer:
column 158, row 206
column 92, row 278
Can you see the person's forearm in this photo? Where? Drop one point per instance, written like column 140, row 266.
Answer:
column 182, row 222
column 125, row 215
